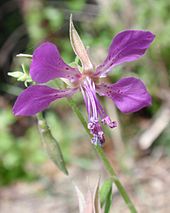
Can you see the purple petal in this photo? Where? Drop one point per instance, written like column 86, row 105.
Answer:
column 37, row 98
column 126, row 46
column 129, row 94
column 47, row 64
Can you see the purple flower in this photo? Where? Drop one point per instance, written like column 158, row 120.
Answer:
column 129, row 94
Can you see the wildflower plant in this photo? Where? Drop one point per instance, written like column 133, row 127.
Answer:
column 129, row 94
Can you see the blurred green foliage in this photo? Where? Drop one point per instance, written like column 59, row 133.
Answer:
column 18, row 155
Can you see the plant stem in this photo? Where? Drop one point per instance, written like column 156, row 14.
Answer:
column 105, row 161
column 76, row 110
column 115, row 178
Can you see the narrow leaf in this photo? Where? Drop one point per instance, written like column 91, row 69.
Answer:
column 108, row 201
column 104, row 191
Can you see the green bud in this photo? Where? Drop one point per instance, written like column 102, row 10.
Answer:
column 23, row 77
column 16, row 74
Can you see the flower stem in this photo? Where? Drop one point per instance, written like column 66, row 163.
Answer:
column 105, row 161
column 76, row 110
column 115, row 178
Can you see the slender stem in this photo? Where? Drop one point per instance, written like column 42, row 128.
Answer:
column 105, row 161
column 76, row 110
column 115, row 178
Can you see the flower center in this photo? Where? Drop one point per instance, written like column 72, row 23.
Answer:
column 94, row 110
column 84, row 76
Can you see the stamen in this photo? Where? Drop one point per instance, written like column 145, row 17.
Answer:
column 108, row 122
column 105, row 118
column 94, row 110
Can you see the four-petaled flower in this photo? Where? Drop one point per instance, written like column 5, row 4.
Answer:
column 129, row 94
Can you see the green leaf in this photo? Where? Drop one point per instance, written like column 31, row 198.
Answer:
column 105, row 191
column 22, row 76
column 108, row 202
